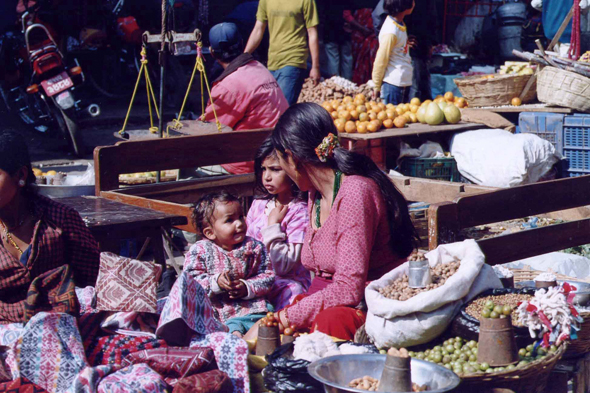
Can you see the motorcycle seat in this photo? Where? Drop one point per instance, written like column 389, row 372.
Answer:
column 43, row 50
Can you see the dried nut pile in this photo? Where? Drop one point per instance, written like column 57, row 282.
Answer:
column 512, row 300
column 371, row 384
column 417, row 255
column 400, row 289
column 330, row 89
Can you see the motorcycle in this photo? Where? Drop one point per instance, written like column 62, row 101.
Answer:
column 38, row 85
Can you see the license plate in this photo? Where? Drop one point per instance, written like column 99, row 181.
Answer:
column 57, row 84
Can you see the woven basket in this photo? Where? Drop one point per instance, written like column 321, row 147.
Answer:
column 499, row 90
column 530, row 379
column 582, row 344
column 564, row 88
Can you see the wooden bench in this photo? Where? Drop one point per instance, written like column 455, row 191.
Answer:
column 446, row 219
column 213, row 149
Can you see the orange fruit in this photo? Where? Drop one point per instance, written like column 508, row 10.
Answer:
column 371, row 127
column 362, row 127
column 400, row 122
column 449, row 96
column 361, row 108
column 344, row 114
column 334, row 115
column 413, row 117
column 339, row 123
column 399, row 111
column 341, row 108
column 378, row 123
column 426, row 102
column 372, row 116
column 363, row 116
column 350, row 127
column 516, row 101
column 354, row 114
column 347, row 99
column 382, row 116
column 414, row 108
column 391, row 114
column 360, row 96
column 460, row 102
column 415, row 101
column 407, row 107
column 388, row 123
column 381, row 106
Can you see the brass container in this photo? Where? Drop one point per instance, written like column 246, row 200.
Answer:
column 497, row 343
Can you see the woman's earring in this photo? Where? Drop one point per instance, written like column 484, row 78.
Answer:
column 21, row 183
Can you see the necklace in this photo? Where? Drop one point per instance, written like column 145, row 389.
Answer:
column 337, row 181
column 9, row 236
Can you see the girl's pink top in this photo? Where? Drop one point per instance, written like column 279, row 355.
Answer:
column 351, row 247
column 293, row 226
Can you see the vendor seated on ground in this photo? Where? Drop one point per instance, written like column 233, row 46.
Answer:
column 359, row 225
column 245, row 96
column 37, row 234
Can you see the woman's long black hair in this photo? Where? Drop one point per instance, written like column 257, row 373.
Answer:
column 266, row 150
column 14, row 154
column 303, row 127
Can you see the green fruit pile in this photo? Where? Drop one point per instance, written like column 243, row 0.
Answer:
column 490, row 310
column 460, row 356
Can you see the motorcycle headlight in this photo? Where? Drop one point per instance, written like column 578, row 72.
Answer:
column 65, row 100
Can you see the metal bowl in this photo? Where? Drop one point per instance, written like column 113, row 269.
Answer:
column 336, row 372
column 582, row 291
column 64, row 191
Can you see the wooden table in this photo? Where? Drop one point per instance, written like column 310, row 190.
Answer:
column 111, row 221
column 374, row 146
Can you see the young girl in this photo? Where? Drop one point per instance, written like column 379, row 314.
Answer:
column 233, row 268
column 279, row 219
column 392, row 71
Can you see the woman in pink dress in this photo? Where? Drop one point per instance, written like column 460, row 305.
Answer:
column 359, row 225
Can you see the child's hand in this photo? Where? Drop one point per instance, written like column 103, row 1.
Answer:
column 277, row 215
column 238, row 290
column 412, row 42
column 224, row 282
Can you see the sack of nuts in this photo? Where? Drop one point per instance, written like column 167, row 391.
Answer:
column 400, row 316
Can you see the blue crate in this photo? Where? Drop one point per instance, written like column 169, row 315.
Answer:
column 576, row 143
column 548, row 126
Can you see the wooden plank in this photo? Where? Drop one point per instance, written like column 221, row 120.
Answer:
column 414, row 129
column 525, row 244
column 173, row 153
column 523, row 201
column 443, row 224
column 166, row 207
column 434, row 191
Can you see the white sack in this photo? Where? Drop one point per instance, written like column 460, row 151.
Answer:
column 560, row 262
column 426, row 315
column 498, row 158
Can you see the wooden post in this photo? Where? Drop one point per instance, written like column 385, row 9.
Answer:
column 443, row 224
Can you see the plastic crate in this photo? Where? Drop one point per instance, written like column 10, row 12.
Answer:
column 431, row 168
column 576, row 144
column 548, row 126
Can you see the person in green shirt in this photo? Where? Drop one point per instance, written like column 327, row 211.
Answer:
column 292, row 25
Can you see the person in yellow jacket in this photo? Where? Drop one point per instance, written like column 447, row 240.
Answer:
column 392, row 70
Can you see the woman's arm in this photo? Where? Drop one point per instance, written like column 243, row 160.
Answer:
column 358, row 216
column 255, row 37
column 314, row 48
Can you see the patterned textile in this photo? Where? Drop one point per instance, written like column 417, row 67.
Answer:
column 231, row 354
column 9, row 334
column 61, row 237
column 213, row 381
column 50, row 351
column 249, row 262
column 87, row 299
column 126, row 284
column 187, row 311
column 21, row 385
column 53, row 291
column 174, row 363
column 113, row 349
column 364, row 49
column 5, row 374
column 131, row 324
column 352, row 246
column 136, row 378
column 89, row 378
